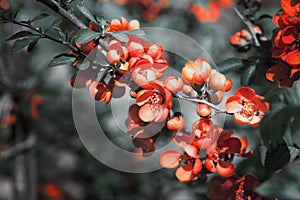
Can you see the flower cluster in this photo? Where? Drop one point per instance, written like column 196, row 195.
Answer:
column 243, row 40
column 140, row 65
column 233, row 188
column 219, row 145
column 203, row 81
column 286, row 45
column 211, row 12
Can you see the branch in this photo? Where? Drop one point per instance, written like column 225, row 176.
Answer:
column 216, row 108
column 44, row 35
column 60, row 10
column 249, row 26
column 18, row 148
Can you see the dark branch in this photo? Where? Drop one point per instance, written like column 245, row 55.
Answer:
column 18, row 148
column 249, row 26
column 68, row 15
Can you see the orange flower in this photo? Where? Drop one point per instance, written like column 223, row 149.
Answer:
column 143, row 134
column 247, row 107
column 206, row 14
column 36, row 100
column 52, row 192
column 8, row 121
column 122, row 25
column 155, row 102
column 175, row 123
column 291, row 7
column 203, row 110
column 192, row 167
column 218, row 155
column 196, row 72
column 4, row 5
column 173, row 84
column 211, row 13
column 218, row 82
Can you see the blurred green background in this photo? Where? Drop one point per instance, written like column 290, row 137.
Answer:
column 60, row 157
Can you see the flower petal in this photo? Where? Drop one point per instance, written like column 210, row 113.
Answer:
column 170, row 159
column 184, row 173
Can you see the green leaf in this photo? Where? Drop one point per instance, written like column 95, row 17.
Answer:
column 32, row 45
column 86, row 13
column 294, row 152
column 61, row 33
column 287, row 96
column 281, row 153
column 54, row 24
column 41, row 16
column 284, row 185
column 248, row 75
column 21, row 43
column 20, row 34
column 85, row 36
column 230, row 65
column 62, row 59
column 100, row 59
column 281, row 123
column 122, row 37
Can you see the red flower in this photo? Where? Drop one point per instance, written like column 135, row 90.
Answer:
column 247, row 107
column 4, row 5
column 218, row 82
column 218, row 154
column 284, row 74
column 287, row 45
column 151, row 58
column 192, row 167
column 291, row 7
column 196, row 72
column 143, row 134
column 100, row 92
column 211, row 13
column 203, row 110
column 173, row 84
column 53, row 192
column 175, row 123
column 122, row 25
column 154, row 101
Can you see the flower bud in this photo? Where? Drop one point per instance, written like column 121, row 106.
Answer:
column 203, row 110
column 175, row 123
column 173, row 84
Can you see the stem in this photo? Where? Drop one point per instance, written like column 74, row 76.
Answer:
column 44, row 35
column 60, row 10
column 18, row 148
column 249, row 26
column 216, row 108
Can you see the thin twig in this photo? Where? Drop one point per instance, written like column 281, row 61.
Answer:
column 18, row 148
column 60, row 10
column 44, row 35
column 195, row 100
column 249, row 26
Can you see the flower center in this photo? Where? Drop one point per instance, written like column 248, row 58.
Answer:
column 156, row 99
column 248, row 109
